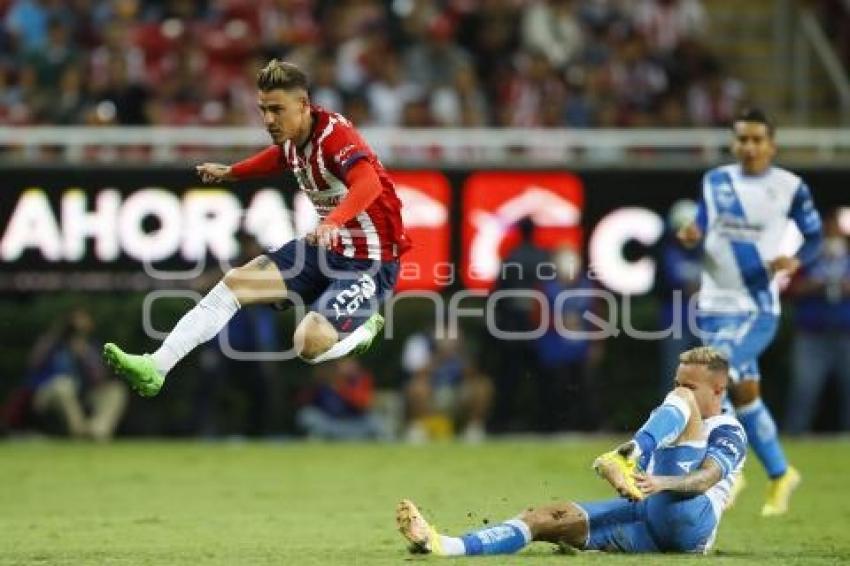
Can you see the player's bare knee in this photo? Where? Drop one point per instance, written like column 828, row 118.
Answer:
column 562, row 522
column 314, row 336
column 537, row 519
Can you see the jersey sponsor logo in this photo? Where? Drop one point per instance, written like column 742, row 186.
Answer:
column 736, row 228
column 728, row 445
column 324, row 205
column 686, row 466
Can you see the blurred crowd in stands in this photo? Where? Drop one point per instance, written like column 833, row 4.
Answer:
column 415, row 63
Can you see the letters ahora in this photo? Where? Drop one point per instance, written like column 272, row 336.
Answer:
column 149, row 224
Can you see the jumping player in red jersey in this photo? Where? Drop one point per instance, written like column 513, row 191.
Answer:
column 341, row 271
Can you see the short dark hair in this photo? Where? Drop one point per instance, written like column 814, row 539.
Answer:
column 281, row 75
column 756, row 115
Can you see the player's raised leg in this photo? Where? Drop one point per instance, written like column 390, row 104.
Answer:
column 764, row 438
column 346, row 319
column 676, row 417
column 317, row 340
column 258, row 281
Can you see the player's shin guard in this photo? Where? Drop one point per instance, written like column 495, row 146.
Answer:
column 664, row 425
column 762, row 436
column 507, row 538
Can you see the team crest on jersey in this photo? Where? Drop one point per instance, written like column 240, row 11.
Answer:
column 344, row 153
column 725, row 195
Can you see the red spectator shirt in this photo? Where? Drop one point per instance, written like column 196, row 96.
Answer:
column 320, row 168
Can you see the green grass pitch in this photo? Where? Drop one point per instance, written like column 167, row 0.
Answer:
column 305, row 504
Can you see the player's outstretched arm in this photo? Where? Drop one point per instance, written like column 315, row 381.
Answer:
column 698, row 481
column 265, row 163
column 215, row 172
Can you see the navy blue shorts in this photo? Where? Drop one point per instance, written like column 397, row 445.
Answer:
column 346, row 291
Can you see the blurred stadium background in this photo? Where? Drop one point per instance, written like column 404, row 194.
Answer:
column 561, row 132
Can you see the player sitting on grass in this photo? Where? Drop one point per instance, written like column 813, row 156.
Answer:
column 342, row 270
column 674, row 477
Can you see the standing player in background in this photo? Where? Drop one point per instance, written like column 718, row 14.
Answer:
column 742, row 217
column 674, row 477
column 342, row 270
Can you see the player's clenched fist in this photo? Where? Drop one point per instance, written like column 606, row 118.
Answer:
column 786, row 264
column 325, row 235
column 214, row 172
column 689, row 235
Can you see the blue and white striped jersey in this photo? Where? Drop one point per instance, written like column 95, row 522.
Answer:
column 723, row 440
column 743, row 219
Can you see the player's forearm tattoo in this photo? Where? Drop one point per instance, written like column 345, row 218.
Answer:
column 698, row 481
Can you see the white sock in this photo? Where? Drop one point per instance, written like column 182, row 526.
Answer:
column 342, row 347
column 200, row 324
column 452, row 546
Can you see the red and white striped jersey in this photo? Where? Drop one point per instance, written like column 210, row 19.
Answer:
column 320, row 166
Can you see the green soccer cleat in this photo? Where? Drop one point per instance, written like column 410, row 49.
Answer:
column 374, row 325
column 138, row 371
